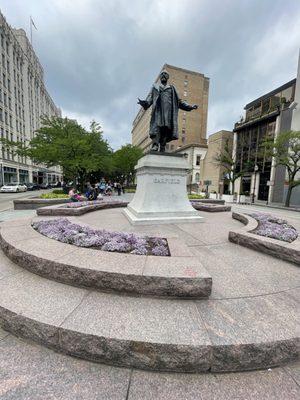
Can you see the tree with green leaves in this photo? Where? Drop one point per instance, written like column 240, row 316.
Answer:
column 226, row 160
column 286, row 152
column 124, row 160
column 63, row 142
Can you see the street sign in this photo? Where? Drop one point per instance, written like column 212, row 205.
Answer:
column 207, row 183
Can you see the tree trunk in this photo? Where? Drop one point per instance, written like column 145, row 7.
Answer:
column 288, row 196
column 232, row 187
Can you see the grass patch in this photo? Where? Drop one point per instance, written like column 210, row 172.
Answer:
column 54, row 196
column 196, row 196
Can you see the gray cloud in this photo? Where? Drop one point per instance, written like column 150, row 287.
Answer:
column 100, row 56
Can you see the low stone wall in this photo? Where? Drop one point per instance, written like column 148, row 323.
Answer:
column 276, row 248
column 208, row 201
column 58, row 210
column 36, row 202
column 211, row 207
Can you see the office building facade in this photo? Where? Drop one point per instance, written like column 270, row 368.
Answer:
column 265, row 118
column 23, row 100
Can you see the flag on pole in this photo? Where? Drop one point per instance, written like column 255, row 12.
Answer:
column 31, row 20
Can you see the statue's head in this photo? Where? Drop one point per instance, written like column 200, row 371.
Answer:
column 164, row 76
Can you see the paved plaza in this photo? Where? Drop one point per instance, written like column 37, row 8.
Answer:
column 253, row 308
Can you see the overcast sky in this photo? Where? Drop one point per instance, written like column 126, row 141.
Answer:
column 100, row 55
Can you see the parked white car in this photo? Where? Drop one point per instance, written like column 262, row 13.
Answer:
column 13, row 188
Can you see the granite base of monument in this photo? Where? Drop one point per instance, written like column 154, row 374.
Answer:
column 161, row 194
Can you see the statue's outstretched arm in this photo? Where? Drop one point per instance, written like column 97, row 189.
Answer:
column 146, row 103
column 183, row 105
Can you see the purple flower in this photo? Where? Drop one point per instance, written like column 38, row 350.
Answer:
column 65, row 231
column 160, row 251
column 273, row 227
column 114, row 245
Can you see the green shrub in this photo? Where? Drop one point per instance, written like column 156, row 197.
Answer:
column 57, row 191
column 129, row 190
column 196, row 196
column 54, row 196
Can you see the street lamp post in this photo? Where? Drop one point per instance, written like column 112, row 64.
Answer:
column 253, row 193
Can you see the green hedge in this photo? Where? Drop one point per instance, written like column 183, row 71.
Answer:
column 129, row 190
column 54, row 196
column 57, row 191
column 196, row 196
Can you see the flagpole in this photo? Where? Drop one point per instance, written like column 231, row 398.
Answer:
column 30, row 31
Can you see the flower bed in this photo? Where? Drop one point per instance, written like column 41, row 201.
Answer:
column 275, row 228
column 79, row 204
column 65, row 231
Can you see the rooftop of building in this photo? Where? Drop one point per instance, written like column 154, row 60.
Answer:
column 187, row 146
column 188, row 71
column 219, row 134
column 269, row 94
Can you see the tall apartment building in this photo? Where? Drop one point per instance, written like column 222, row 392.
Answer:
column 23, row 100
column 192, row 87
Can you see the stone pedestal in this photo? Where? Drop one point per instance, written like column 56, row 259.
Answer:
column 161, row 194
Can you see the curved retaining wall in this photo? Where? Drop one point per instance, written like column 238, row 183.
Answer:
column 276, row 248
column 35, row 203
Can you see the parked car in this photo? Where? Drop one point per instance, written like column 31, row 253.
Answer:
column 44, row 186
column 32, row 186
column 13, row 188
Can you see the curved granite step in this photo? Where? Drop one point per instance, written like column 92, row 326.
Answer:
column 149, row 333
column 181, row 275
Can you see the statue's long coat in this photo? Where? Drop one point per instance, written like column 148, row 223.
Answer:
column 176, row 104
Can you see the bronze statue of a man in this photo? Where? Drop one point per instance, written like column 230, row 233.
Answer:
column 165, row 104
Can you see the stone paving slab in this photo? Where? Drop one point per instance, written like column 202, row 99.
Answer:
column 259, row 385
column 149, row 333
column 267, row 328
column 293, row 370
column 145, row 333
column 29, row 371
column 239, row 271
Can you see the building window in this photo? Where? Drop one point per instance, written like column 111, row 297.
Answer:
column 6, row 118
column 183, row 139
column 185, row 83
column 198, row 158
column 185, row 93
column 197, row 177
column 5, row 99
column 1, row 114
